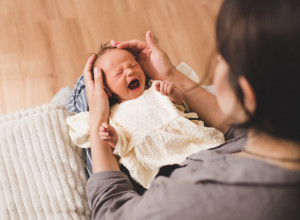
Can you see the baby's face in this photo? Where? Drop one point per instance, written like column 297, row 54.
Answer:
column 124, row 76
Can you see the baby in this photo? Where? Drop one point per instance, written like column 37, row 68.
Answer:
column 148, row 127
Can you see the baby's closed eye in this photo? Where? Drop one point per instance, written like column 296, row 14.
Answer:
column 133, row 65
column 118, row 73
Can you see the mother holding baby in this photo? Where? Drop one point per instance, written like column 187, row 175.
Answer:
column 255, row 174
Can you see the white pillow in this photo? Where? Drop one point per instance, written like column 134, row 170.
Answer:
column 189, row 72
column 42, row 172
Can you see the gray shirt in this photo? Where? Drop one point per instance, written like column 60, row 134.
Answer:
column 209, row 185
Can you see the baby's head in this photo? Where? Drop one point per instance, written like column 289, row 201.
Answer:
column 123, row 76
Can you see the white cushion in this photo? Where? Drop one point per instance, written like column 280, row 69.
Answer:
column 42, row 172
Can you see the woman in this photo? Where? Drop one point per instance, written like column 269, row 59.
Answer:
column 256, row 81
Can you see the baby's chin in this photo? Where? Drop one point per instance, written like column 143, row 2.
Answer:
column 131, row 95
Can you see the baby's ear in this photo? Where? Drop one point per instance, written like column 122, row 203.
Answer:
column 108, row 92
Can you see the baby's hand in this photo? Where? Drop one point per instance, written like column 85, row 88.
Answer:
column 109, row 134
column 168, row 88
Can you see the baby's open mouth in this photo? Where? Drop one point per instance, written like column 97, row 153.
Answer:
column 134, row 84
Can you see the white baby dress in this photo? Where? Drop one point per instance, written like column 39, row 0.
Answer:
column 152, row 133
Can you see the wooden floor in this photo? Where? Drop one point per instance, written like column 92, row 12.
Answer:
column 44, row 44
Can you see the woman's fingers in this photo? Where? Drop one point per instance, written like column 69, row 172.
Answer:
column 88, row 67
column 134, row 45
column 114, row 43
column 149, row 40
column 88, row 78
column 98, row 79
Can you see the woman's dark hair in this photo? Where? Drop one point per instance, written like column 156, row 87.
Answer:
column 260, row 40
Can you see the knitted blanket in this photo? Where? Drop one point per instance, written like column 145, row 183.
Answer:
column 42, row 172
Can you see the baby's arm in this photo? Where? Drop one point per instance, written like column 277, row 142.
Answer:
column 168, row 88
column 109, row 134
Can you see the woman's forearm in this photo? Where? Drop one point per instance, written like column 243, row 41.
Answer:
column 200, row 101
column 102, row 155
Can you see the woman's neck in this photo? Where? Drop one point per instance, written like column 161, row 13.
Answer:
column 280, row 152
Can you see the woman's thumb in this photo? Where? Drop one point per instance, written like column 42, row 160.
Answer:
column 149, row 40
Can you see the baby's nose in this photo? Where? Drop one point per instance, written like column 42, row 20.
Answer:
column 129, row 71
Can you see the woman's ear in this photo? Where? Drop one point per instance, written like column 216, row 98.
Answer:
column 249, row 95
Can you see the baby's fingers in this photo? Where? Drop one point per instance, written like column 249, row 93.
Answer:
column 166, row 88
column 106, row 131
column 157, row 86
column 162, row 88
column 103, row 130
column 104, row 126
column 110, row 129
column 104, row 135
column 169, row 88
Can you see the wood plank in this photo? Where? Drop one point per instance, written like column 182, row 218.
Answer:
column 44, row 44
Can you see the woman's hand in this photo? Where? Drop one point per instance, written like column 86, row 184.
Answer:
column 102, row 156
column 157, row 65
column 97, row 97
column 154, row 61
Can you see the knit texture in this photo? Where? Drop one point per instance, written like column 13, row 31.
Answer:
column 152, row 133
column 42, row 172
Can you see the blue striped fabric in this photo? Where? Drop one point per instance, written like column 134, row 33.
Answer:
column 77, row 102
